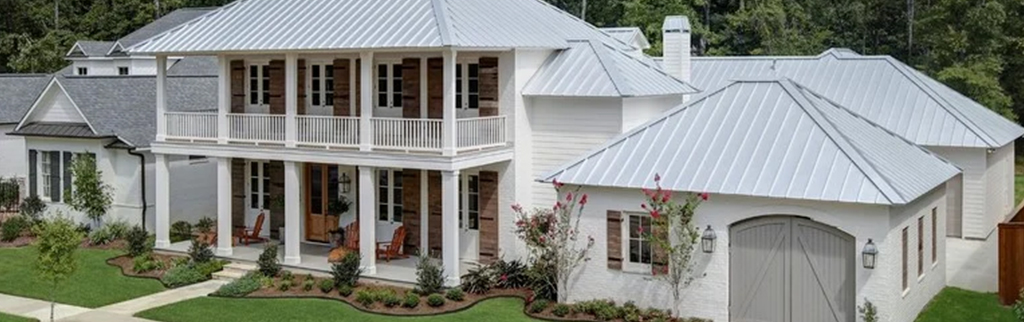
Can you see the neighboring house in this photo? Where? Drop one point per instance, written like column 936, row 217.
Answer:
column 798, row 185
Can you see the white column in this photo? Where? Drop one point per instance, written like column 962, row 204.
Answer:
column 354, row 98
column 366, row 100
column 224, row 207
column 367, row 220
column 161, row 98
column 448, row 132
column 163, row 202
column 424, row 94
column 424, row 212
column 223, row 98
column 292, row 253
column 291, row 98
column 450, row 226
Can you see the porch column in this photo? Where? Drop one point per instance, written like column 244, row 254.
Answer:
column 291, row 98
column 366, row 101
column 161, row 97
column 224, row 207
column 292, row 255
column 450, row 226
column 223, row 97
column 448, row 131
column 424, row 211
column 367, row 219
column 163, row 202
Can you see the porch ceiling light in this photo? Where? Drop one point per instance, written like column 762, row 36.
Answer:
column 707, row 240
column 346, row 183
column 869, row 253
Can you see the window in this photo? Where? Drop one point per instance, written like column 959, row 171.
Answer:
column 196, row 157
column 83, row 71
column 905, row 285
column 389, row 196
column 470, row 206
column 61, row 162
column 389, row 85
column 467, row 99
column 638, row 248
column 935, row 218
column 920, row 246
column 259, row 185
column 259, row 84
column 45, row 164
column 322, row 85
column 122, row 71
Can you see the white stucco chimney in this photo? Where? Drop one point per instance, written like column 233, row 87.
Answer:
column 676, row 47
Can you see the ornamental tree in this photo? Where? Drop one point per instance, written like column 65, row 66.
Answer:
column 553, row 236
column 91, row 195
column 58, row 239
column 673, row 237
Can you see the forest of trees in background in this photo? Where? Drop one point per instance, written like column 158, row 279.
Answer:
column 974, row 46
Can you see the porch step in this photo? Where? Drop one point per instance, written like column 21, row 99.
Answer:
column 234, row 271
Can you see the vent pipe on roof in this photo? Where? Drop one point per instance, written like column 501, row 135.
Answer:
column 676, row 47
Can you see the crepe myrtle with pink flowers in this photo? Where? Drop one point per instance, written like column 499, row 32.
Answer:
column 674, row 235
column 553, row 236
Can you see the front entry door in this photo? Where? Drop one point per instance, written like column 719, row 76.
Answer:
column 790, row 269
column 321, row 191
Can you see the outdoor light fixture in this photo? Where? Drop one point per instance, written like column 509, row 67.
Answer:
column 869, row 253
column 707, row 241
column 346, row 183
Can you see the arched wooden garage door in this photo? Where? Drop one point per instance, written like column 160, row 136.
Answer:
column 790, row 269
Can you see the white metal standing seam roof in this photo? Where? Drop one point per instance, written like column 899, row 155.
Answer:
column 593, row 69
column 628, row 35
column 770, row 138
column 880, row 88
column 294, row 25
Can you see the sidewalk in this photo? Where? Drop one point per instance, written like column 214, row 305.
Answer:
column 117, row 312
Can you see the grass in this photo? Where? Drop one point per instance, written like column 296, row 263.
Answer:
column 14, row 318
column 960, row 305
column 1018, row 187
column 215, row 309
column 95, row 284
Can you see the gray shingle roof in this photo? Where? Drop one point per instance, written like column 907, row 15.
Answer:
column 258, row 25
column 770, row 138
column 17, row 93
column 90, row 48
column 880, row 88
column 63, row 130
column 194, row 66
column 593, row 69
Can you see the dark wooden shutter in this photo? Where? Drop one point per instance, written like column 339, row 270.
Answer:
column 359, row 87
column 238, row 206
column 277, row 87
column 67, row 173
column 411, row 209
column 411, row 88
column 435, row 88
column 54, row 176
column 614, row 239
column 238, row 94
column 434, row 237
column 276, row 190
column 342, row 99
column 488, row 86
column 300, row 108
column 488, row 217
column 33, row 174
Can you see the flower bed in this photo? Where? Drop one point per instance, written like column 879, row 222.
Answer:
column 127, row 265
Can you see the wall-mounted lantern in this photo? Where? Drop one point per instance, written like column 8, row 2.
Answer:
column 707, row 241
column 346, row 183
column 869, row 253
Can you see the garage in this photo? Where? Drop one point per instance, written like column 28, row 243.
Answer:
column 790, row 269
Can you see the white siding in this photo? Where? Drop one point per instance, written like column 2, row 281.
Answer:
column 999, row 184
column 55, row 106
column 639, row 110
column 977, row 222
column 13, row 158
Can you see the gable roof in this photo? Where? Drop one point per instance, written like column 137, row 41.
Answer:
column 167, row 22
column 629, row 35
column 259, row 25
column 771, row 138
column 89, row 48
column 17, row 93
column 594, row 69
column 880, row 88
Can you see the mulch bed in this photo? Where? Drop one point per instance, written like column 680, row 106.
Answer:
column 127, row 265
column 18, row 242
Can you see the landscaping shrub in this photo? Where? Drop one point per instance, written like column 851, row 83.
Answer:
column 326, row 286
column 429, row 277
column 344, row 290
column 266, row 281
column 146, row 263
column 411, row 300
column 267, row 262
column 83, row 228
column 538, row 305
column 391, row 299
column 478, row 280
column 287, row 275
column 347, row 271
column 435, row 300
column 543, row 280
column 366, row 298
column 510, row 274
column 8, row 193
column 182, row 275
column 560, row 310
column 285, row 285
column 179, row 261
column 308, row 284
column 138, row 242
column 181, row 231
column 607, row 313
column 101, row 236
column 32, row 208
column 240, row 287
column 13, row 228
column 1018, row 307
column 455, row 294
column 205, row 225
column 200, row 252
column 868, row 312
column 207, row 269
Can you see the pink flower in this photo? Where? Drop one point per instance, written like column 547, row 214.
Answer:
column 517, row 207
column 640, row 230
column 583, row 200
column 542, row 239
column 704, row 196
column 568, row 196
column 666, row 196
column 556, row 183
column 558, row 205
column 657, row 177
column 644, row 206
column 655, row 214
column 504, row 277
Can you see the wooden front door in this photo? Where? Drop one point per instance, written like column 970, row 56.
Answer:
column 321, row 191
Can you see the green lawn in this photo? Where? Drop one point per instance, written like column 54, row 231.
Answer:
column 215, row 309
column 1018, row 187
column 14, row 318
column 95, row 284
column 959, row 305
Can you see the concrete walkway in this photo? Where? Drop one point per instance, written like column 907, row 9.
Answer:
column 118, row 312
column 137, row 305
column 973, row 264
column 36, row 309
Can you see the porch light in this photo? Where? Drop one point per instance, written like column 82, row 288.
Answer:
column 346, row 183
column 707, row 241
column 870, row 252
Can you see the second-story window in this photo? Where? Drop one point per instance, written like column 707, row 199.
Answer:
column 82, row 71
column 122, row 71
column 259, row 84
column 322, row 85
column 389, row 85
column 467, row 86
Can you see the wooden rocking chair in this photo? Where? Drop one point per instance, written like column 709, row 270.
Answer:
column 389, row 250
column 249, row 235
column 351, row 244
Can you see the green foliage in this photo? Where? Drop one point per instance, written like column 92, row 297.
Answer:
column 868, row 312
column 112, row 231
column 366, row 298
column 8, row 193
column 1018, row 308
column 344, row 290
column 208, row 268
column 391, row 299
column 14, row 227
column 478, row 280
column 183, row 275
column 429, row 276
column 240, row 287
column 181, row 231
column 91, row 195
column 284, row 285
column 543, row 280
column 538, row 306
column 435, row 300
column 326, row 286
column 57, row 243
column 560, row 310
column 268, row 263
column 287, row 275
column 411, row 300
column 307, row 285
column 146, row 263
column 510, row 274
column 199, row 252
column 347, row 271
column 138, row 242
column 455, row 294
column 205, row 225
column 32, row 207
column 673, row 235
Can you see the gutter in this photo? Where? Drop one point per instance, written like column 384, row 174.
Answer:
column 142, row 166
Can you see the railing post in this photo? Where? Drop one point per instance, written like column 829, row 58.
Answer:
column 161, row 98
column 291, row 98
column 223, row 98
column 448, row 129
column 366, row 100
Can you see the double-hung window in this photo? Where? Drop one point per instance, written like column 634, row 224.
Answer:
column 467, row 86
column 122, row 71
column 637, row 247
column 83, row 71
column 389, row 85
column 322, row 85
column 389, row 195
column 259, row 185
column 45, row 164
column 259, row 84
column 54, row 174
column 469, row 191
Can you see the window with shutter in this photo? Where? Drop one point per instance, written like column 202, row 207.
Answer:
column 614, row 239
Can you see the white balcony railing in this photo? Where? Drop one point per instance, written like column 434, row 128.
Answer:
column 480, row 132
column 256, row 128
column 192, row 126
column 328, row 131
column 407, row 134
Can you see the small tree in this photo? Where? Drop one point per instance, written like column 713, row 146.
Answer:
column 552, row 235
column 91, row 195
column 57, row 243
column 868, row 312
column 9, row 191
column 674, row 236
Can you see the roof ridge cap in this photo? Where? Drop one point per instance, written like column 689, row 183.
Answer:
column 654, row 69
column 613, row 72
column 440, row 11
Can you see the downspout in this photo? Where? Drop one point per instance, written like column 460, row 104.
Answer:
column 142, row 165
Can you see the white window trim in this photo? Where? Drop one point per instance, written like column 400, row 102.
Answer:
column 44, row 173
column 261, row 190
column 44, row 188
column 325, row 91
column 261, row 104
column 393, row 175
column 463, row 64
column 627, row 265
column 389, row 79
column 464, row 196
